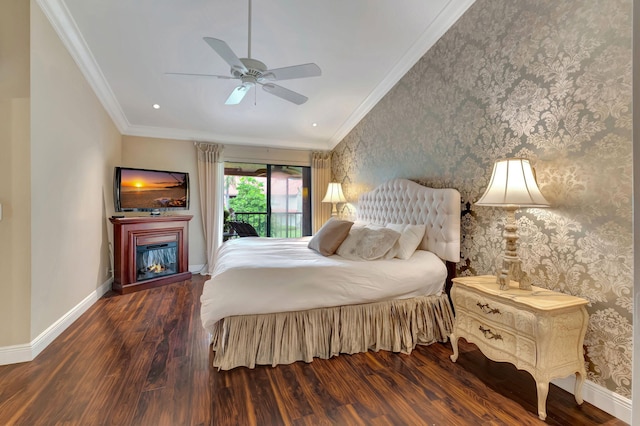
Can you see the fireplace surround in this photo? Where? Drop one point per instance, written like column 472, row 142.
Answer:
column 150, row 251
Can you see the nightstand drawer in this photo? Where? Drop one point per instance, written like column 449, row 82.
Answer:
column 500, row 343
column 495, row 311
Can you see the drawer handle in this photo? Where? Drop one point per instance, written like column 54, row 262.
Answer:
column 490, row 334
column 487, row 309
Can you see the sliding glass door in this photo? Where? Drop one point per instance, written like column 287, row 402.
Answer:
column 274, row 199
column 288, row 202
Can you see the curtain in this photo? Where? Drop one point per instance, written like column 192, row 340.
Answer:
column 210, row 184
column 320, row 178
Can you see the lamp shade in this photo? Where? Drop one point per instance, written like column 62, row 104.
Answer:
column 513, row 184
column 334, row 194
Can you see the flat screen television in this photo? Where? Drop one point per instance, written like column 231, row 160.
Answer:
column 145, row 190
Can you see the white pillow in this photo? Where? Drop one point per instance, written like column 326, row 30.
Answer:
column 365, row 224
column 410, row 238
column 367, row 244
column 360, row 223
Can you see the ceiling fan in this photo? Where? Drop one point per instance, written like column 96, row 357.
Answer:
column 251, row 72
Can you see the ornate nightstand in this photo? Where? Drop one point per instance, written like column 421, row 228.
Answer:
column 538, row 330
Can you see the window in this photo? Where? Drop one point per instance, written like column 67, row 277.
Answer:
column 275, row 199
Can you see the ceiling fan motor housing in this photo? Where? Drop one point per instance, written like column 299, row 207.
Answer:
column 255, row 69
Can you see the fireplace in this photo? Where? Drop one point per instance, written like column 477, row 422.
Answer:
column 150, row 251
column 156, row 260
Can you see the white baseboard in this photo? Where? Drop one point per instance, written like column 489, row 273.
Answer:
column 196, row 269
column 606, row 400
column 27, row 352
column 15, row 354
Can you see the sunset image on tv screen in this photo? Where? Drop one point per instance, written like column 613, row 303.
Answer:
column 152, row 189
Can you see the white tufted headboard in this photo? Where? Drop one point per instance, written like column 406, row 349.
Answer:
column 404, row 201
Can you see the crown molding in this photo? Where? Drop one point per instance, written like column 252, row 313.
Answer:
column 190, row 135
column 438, row 27
column 63, row 24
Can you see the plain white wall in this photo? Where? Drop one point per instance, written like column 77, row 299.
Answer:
column 15, row 192
column 74, row 146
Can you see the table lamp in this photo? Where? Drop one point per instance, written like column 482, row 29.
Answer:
column 334, row 195
column 512, row 186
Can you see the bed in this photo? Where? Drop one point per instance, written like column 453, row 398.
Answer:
column 275, row 301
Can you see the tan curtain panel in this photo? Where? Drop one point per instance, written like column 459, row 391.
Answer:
column 320, row 178
column 210, row 184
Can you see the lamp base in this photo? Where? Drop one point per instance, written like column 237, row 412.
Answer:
column 511, row 269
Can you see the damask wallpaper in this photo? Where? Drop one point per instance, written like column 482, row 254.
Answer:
column 546, row 80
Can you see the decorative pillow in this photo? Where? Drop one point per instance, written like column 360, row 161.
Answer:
column 374, row 226
column 410, row 238
column 360, row 223
column 365, row 224
column 367, row 243
column 330, row 236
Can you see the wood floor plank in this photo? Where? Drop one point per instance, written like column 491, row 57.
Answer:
column 264, row 400
column 225, row 408
column 132, row 385
column 144, row 359
column 201, row 406
column 290, row 398
column 313, row 391
column 179, row 390
column 242, row 398
column 399, row 407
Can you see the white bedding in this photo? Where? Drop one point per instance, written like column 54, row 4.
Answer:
column 269, row 275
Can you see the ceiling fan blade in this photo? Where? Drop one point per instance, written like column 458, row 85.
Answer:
column 286, row 94
column 226, row 53
column 237, row 95
column 296, row 71
column 184, row 74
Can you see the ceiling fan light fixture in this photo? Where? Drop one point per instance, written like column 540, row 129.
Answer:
column 238, row 94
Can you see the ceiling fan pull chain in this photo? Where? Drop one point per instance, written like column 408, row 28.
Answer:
column 249, row 52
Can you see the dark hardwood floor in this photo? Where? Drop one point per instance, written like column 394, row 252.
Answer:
column 142, row 359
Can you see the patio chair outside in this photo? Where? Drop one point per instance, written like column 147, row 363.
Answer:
column 243, row 229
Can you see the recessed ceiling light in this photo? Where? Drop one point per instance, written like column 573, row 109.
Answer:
column 315, row 124
column 156, row 106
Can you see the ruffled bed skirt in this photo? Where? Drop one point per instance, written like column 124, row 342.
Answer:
column 287, row 337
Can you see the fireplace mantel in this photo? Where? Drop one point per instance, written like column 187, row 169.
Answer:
column 130, row 233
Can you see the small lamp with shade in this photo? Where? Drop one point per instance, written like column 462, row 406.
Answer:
column 334, row 195
column 512, row 186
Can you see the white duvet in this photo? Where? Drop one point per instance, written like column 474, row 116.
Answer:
column 268, row 275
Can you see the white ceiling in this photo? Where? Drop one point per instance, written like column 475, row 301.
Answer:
column 363, row 47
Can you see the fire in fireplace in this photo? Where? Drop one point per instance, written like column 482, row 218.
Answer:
column 156, row 260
